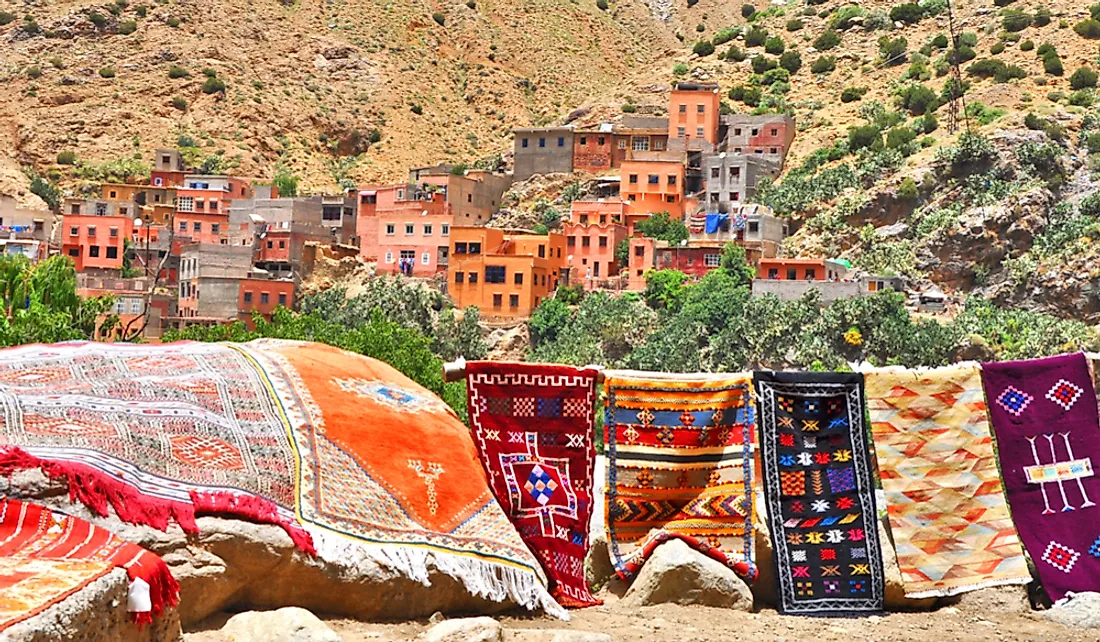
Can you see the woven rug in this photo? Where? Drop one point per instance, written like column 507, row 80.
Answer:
column 357, row 462
column 532, row 425
column 33, row 531
column 1048, row 439
column 679, row 449
column 818, row 487
column 950, row 521
column 29, row 586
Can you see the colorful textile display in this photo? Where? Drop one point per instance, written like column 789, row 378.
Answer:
column 679, row 449
column 1048, row 438
column 697, row 222
column 32, row 531
column 532, row 425
column 950, row 521
column 818, row 486
column 356, row 461
column 29, row 586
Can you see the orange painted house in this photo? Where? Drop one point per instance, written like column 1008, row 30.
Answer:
column 263, row 296
column 594, row 230
column 693, row 113
column 800, row 270
column 417, row 231
column 168, row 169
column 503, row 275
column 651, row 186
column 202, row 206
column 371, row 197
column 95, row 241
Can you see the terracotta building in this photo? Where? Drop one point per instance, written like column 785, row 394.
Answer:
column 504, row 275
column 774, row 269
column 767, row 136
column 653, row 185
column 370, row 198
column 168, row 168
column 202, row 206
column 593, row 150
column 95, row 242
column 473, row 195
column 594, row 230
column 693, row 114
column 414, row 234
column 218, row 284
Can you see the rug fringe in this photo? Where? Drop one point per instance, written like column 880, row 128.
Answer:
column 253, row 508
column 959, row 590
column 488, row 580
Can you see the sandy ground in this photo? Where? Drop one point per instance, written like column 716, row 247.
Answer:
column 675, row 623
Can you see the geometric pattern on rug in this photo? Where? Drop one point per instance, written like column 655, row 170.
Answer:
column 29, row 586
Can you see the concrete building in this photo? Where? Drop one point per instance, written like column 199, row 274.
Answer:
column 95, row 241
column 542, row 150
column 754, row 227
column 278, row 229
column 503, row 274
column 218, row 284
column 414, row 235
column 24, row 223
column 338, row 215
column 638, row 134
column 168, row 169
column 594, row 230
column 473, row 196
column 130, row 302
column 731, row 179
column 693, row 117
column 767, row 136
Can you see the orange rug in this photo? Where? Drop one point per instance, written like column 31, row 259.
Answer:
column 30, row 586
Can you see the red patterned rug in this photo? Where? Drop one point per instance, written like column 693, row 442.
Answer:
column 33, row 531
column 532, row 425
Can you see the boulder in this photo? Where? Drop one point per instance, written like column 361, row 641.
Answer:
column 677, row 573
column 554, row 635
column 473, row 629
column 234, row 565
column 95, row 613
column 598, row 569
column 290, row 624
column 1080, row 610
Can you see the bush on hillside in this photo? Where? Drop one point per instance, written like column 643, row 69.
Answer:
column 1042, row 17
column 66, row 158
column 1027, row 45
column 852, row 94
column 213, row 85
column 703, row 48
column 827, row 40
column 1088, row 28
column 735, row 54
column 602, row 5
column 700, row 27
column 984, row 115
column 864, row 137
column 107, row 72
column 940, row 41
column 725, row 35
column 823, row 65
column 97, row 19
column 909, row 13
column 794, row 25
column 6, row 18
column 1015, row 20
column 439, row 18
column 842, row 19
column 762, row 64
column 1083, row 78
column 916, row 98
column 953, row 89
column 755, row 37
column 994, row 68
column 892, row 50
column 877, row 20
column 774, row 45
column 1046, row 49
column 1002, row 3
column 179, row 103
column 1052, row 65
column 928, row 123
column 997, row 48
column 1082, row 98
column 175, row 71
column 747, row 10
column 899, row 137
column 774, row 76
column 968, row 38
column 791, row 61
column 127, row 27
column 965, row 53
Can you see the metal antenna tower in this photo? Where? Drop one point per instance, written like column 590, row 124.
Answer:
column 956, row 77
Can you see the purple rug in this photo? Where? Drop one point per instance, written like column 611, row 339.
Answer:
column 1045, row 419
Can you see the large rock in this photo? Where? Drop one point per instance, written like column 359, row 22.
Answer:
column 474, row 629
column 96, row 613
column 598, row 569
column 1081, row 610
column 290, row 624
column 677, row 573
column 234, row 565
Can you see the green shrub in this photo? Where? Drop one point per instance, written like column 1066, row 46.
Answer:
column 602, row 5
column 748, row 95
column 179, row 103
column 703, row 48
column 1092, row 143
column 747, row 10
column 1094, row 11
column 735, row 54
column 213, row 85
column 1002, row 3
column 842, row 19
column 791, row 61
column 852, row 94
column 774, row 76
column 97, row 19
column 1083, row 78
column 984, row 115
column 928, row 123
column 908, row 191
column 127, row 27
column 968, row 38
column 680, row 69
column 1015, row 20
column 628, row 108
column 953, row 89
column 892, row 50
column 1027, row 45
column 877, row 20
column 997, row 48
column 700, row 28
column 175, row 71
column 940, row 41
column 965, row 53
column 899, row 137
column 909, row 13
column 1046, row 49
column 762, row 64
column 725, row 35
column 794, row 24
column 1082, row 98
column 1088, row 28
column 439, row 18
column 141, row 10
column 827, row 40
column 107, row 72
column 57, row 63
column 1052, row 65
column 755, row 37
column 173, row 22
column 864, row 137
column 1042, row 17
column 823, row 65
column 66, row 158
column 916, row 98
column 994, row 68
column 774, row 45
column 6, row 18
column 34, row 71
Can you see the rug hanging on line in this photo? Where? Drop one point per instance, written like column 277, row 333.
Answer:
column 532, row 425
column 358, row 463
column 948, row 514
column 818, row 487
column 1048, row 439
column 679, row 450
column 33, row 531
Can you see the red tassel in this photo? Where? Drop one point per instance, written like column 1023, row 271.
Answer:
column 141, row 618
column 256, row 509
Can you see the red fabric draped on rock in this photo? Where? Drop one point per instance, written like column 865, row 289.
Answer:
column 533, row 428
column 34, row 531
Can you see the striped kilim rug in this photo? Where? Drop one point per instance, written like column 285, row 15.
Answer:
column 679, row 450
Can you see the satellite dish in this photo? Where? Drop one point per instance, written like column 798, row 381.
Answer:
column 424, row 213
column 138, row 222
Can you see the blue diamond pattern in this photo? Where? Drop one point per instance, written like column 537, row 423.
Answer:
column 1094, row 550
column 540, row 485
column 1015, row 401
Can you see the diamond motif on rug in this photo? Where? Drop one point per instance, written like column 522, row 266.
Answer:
column 1064, row 393
column 540, row 486
column 1014, row 400
column 206, row 452
column 1060, row 557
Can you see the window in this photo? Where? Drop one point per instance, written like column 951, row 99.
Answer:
column 735, row 196
column 389, row 229
column 425, row 259
column 755, row 131
column 91, row 230
column 498, row 300
column 523, row 143
column 585, row 241
column 282, row 244
column 460, row 248
column 671, row 179
column 264, row 298
column 248, row 296
column 217, row 228
column 135, row 306
column 633, row 179
column 622, row 143
column 213, row 206
column 93, row 251
column 100, row 209
column 775, row 132
column 601, row 140
column 156, row 198
column 653, row 179
column 282, row 298
column 73, row 251
column 469, row 198
column 444, row 229
column 714, row 197
column 671, row 198
column 185, row 204
column 114, row 194
column 460, row 277
column 681, row 132
column 409, row 229
column 737, row 131
column 658, row 144
column 513, row 300
column 542, row 142
column 699, row 132
column 518, row 278
column 584, row 140
column 716, row 172
column 494, row 274
column 427, row 229
column 735, row 172
column 39, row 226
column 584, row 219
column 603, row 241
column 389, row 257
column 561, row 141
column 736, row 150
column 475, row 248
column 811, row 274
column 158, row 181
column 631, row 197
column 544, row 280
column 409, row 255
column 700, row 109
column 112, row 252
column 542, row 251
column 754, row 227
column 270, row 245
column 758, row 152
column 74, row 208
column 791, row 274
column 596, row 269
column 683, row 109
column 471, row 277
column 773, row 150
column 571, row 241
column 603, row 219
column 711, row 260
column 74, row 231
column 197, row 226
column 639, row 143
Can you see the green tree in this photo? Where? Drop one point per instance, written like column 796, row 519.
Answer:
column 664, row 289
column 735, row 263
column 661, row 226
column 285, row 182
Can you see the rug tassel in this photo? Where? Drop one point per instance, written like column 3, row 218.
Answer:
column 256, row 509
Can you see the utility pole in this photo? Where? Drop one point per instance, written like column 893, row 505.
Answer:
column 956, row 78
